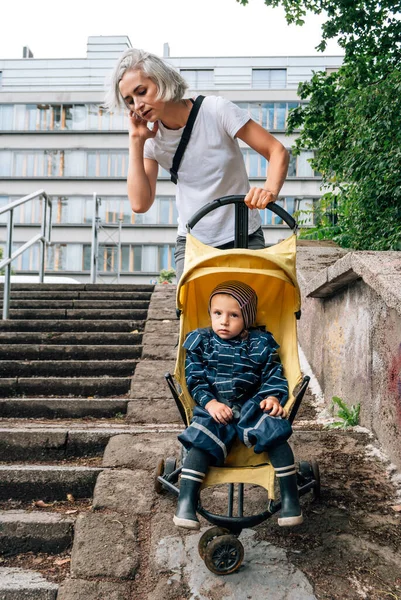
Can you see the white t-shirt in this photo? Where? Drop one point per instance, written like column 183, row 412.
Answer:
column 212, row 167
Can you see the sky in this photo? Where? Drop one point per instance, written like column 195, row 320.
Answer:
column 192, row 28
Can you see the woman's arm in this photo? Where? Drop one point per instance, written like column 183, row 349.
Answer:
column 142, row 173
column 268, row 146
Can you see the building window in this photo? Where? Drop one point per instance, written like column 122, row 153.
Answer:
column 60, row 117
column 271, row 115
column 107, row 164
column 270, row 218
column 70, row 210
column 6, row 159
column 263, row 79
column 145, row 258
column 300, row 165
column 198, row 79
column 256, row 165
column 6, row 117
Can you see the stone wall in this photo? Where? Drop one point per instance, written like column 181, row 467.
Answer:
column 350, row 331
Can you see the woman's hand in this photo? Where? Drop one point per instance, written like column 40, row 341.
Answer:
column 220, row 412
column 272, row 406
column 138, row 127
column 259, row 198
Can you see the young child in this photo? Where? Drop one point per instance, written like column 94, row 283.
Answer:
column 235, row 376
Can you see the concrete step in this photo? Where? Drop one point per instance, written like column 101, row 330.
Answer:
column 61, row 338
column 117, row 295
column 46, row 304
column 71, row 325
column 21, row 584
column 46, row 482
column 88, row 287
column 59, row 408
column 77, row 351
column 30, row 531
column 64, row 313
column 70, row 368
column 56, row 386
column 48, row 442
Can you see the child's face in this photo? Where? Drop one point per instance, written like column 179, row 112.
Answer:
column 226, row 316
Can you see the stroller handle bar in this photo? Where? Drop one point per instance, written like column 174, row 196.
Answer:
column 278, row 210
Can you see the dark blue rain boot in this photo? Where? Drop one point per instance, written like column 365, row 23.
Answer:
column 192, row 475
column 282, row 459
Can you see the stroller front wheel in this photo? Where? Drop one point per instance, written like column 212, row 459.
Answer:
column 208, row 536
column 224, row 554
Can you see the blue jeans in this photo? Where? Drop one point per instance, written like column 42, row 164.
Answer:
column 256, row 241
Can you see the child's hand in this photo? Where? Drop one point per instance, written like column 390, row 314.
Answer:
column 273, row 407
column 220, row 412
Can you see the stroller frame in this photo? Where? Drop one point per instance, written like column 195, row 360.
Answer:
column 226, row 557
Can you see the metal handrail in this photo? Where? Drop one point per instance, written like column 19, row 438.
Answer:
column 43, row 237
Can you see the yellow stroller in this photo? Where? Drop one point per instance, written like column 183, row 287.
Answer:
column 271, row 273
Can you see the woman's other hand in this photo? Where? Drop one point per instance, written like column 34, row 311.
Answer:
column 220, row 412
column 272, row 406
column 138, row 127
column 259, row 198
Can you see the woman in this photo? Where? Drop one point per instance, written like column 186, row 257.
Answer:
column 212, row 165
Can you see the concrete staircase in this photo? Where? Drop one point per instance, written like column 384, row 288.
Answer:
column 67, row 357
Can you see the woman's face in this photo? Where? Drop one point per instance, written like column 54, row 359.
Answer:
column 140, row 95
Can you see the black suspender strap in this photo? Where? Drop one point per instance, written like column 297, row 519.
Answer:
column 186, row 134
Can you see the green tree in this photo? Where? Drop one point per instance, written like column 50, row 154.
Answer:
column 352, row 119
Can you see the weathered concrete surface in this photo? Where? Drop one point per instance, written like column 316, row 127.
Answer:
column 142, row 411
column 17, row 584
column 140, row 451
column 162, row 303
column 159, row 352
column 379, row 270
column 105, row 545
column 125, row 491
column 160, row 339
column 148, row 381
column 80, row 589
column 46, row 482
column 51, row 408
column 350, row 332
column 22, row 531
column 266, row 572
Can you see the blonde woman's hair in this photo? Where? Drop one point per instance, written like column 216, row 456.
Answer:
column 170, row 84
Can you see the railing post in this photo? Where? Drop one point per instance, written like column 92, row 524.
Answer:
column 7, row 270
column 119, row 257
column 94, row 242
column 43, row 240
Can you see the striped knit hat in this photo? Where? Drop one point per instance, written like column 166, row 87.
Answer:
column 244, row 295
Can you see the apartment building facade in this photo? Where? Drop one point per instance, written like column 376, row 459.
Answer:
column 56, row 136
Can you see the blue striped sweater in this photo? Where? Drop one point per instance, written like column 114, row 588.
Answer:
column 233, row 371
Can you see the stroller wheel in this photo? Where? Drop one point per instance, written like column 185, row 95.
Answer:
column 208, row 536
column 316, row 475
column 224, row 554
column 309, row 471
column 158, row 473
column 305, row 470
column 170, row 465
